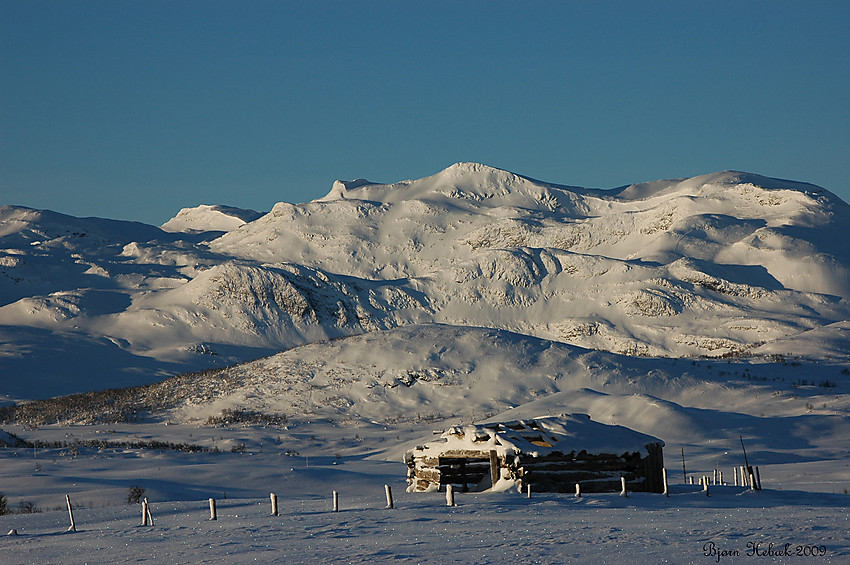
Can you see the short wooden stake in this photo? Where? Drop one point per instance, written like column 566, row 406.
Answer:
column 213, row 514
column 144, row 514
column 714, row 478
column 336, row 501
column 578, row 490
column 494, row 468
column 752, row 482
column 623, row 491
column 148, row 512
column 73, row 526
column 691, row 479
column 273, row 498
column 389, row 493
column 705, row 485
column 664, row 477
column 528, row 490
column 735, row 473
column 758, row 479
column 743, row 477
column 450, row 496
column 720, row 477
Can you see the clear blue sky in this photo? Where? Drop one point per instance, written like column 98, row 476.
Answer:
column 134, row 109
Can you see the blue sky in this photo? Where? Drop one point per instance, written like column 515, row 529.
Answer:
column 134, row 109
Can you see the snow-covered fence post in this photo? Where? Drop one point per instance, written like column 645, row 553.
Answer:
column 664, row 478
column 273, row 498
column 213, row 515
column 578, row 490
column 73, row 526
column 147, row 518
column 623, row 491
column 758, row 479
column 389, row 493
column 336, row 501
column 450, row 496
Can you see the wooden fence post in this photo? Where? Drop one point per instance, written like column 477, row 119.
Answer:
column 578, row 490
column 336, row 501
column 213, row 514
column 664, row 477
column 389, row 493
column 450, row 496
column 528, row 490
column 758, row 479
column 494, row 468
column 705, row 482
column 73, row 526
column 148, row 513
column 623, row 492
column 273, row 498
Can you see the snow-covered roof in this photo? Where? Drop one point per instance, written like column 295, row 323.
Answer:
column 540, row 436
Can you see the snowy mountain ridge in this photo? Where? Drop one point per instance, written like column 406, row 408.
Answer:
column 728, row 263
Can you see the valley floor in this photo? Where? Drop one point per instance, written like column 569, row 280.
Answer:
column 732, row 525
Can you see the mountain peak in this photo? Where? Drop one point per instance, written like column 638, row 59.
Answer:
column 205, row 218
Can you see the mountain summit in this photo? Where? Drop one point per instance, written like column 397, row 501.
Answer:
column 728, row 263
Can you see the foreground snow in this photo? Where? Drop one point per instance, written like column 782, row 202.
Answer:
column 688, row 527
column 804, row 502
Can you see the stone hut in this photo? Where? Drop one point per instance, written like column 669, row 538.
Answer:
column 550, row 453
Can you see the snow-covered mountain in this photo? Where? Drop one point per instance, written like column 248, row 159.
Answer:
column 722, row 264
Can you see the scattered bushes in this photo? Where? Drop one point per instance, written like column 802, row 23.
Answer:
column 23, row 507
column 135, row 495
column 229, row 417
column 123, row 405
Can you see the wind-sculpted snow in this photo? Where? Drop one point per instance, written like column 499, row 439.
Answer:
column 721, row 264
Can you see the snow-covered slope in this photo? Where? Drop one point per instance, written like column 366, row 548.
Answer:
column 206, row 218
column 726, row 263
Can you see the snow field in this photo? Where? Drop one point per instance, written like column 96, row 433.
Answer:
column 687, row 527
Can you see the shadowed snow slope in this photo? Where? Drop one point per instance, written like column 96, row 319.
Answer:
column 722, row 264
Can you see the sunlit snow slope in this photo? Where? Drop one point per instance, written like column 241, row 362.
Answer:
column 726, row 263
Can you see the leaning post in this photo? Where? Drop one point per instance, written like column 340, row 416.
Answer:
column 73, row 526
